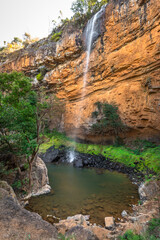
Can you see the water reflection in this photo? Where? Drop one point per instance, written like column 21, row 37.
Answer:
column 85, row 191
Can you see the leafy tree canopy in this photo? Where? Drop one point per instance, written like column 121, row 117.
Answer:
column 24, row 115
column 17, row 113
column 87, row 7
column 21, row 113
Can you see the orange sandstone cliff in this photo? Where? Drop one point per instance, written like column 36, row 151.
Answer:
column 124, row 69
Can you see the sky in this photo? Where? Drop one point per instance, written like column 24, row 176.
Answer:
column 31, row 16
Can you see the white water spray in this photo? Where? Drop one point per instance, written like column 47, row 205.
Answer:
column 71, row 156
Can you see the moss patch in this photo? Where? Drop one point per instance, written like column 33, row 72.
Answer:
column 147, row 159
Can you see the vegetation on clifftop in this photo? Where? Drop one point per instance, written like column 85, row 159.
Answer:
column 83, row 10
column 16, row 44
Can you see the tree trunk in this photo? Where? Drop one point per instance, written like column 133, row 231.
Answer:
column 30, row 175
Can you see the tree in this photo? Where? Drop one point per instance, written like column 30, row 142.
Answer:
column 16, row 40
column 87, row 7
column 22, row 118
column 27, row 36
column 107, row 119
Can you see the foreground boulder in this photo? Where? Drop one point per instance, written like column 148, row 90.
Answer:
column 80, row 233
column 18, row 223
column 39, row 178
column 148, row 190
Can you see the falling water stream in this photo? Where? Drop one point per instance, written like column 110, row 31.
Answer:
column 91, row 34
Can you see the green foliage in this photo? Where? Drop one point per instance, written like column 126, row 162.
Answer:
column 21, row 112
column 62, row 237
column 152, row 233
column 4, row 170
column 154, row 229
column 17, row 113
column 28, row 237
column 85, row 9
column 119, row 154
column 2, row 48
column 108, row 120
column 39, row 77
column 16, row 40
column 56, row 36
column 141, row 145
column 17, row 184
column 26, row 166
column 15, row 45
column 129, row 235
column 151, row 157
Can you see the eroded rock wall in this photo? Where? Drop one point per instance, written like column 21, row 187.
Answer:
column 124, row 69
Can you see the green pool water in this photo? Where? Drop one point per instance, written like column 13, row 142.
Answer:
column 98, row 193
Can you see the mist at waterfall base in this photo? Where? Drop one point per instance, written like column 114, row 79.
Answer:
column 91, row 33
column 95, row 192
column 71, row 156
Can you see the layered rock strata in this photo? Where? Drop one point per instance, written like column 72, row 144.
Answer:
column 124, row 69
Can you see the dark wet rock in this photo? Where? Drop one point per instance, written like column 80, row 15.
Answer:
column 78, row 163
column 81, row 233
column 54, row 154
column 50, row 155
column 18, row 223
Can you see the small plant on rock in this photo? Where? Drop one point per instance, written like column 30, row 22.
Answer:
column 56, row 36
column 39, row 77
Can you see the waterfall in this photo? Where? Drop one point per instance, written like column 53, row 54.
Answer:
column 92, row 32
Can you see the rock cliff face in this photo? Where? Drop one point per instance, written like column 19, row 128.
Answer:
column 124, row 69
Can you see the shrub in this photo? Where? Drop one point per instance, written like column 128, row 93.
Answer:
column 152, row 233
column 39, row 77
column 107, row 119
column 129, row 235
column 56, row 36
column 154, row 228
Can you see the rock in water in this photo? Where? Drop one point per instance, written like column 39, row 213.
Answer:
column 109, row 222
column 124, row 213
column 78, row 163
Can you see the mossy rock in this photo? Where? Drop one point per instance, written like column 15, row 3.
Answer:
column 4, row 185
